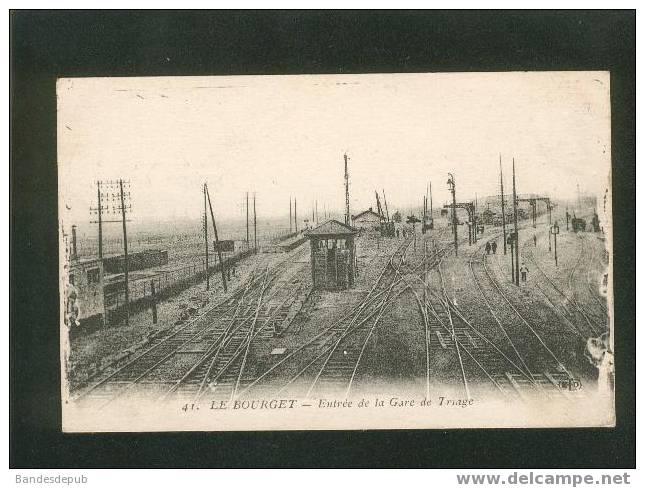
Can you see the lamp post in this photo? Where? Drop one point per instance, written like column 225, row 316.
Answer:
column 555, row 230
column 511, row 243
column 549, row 239
column 451, row 187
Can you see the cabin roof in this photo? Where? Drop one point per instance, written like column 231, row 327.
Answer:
column 331, row 228
column 369, row 211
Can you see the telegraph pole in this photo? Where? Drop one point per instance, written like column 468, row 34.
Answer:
column 290, row 228
column 206, row 238
column 517, row 236
column 99, row 213
column 255, row 226
column 125, row 260
column 512, row 261
column 116, row 194
column 424, row 219
column 549, row 208
column 219, row 251
column 316, row 206
column 501, row 182
column 555, row 229
column 387, row 212
column 100, row 220
column 295, row 213
column 451, row 187
column 247, row 220
column 347, row 222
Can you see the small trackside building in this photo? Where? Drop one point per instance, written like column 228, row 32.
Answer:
column 367, row 220
column 333, row 255
column 84, row 296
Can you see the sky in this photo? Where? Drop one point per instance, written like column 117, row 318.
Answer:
column 284, row 137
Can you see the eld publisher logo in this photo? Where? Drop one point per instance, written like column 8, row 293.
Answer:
column 571, row 384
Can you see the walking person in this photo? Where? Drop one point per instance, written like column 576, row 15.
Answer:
column 493, row 246
column 524, row 271
column 488, row 248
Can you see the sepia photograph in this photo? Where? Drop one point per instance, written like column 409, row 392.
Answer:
column 340, row 239
column 364, row 251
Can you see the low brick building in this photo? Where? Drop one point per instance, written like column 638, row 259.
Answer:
column 367, row 220
column 85, row 298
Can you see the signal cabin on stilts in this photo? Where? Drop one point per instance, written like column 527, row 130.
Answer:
column 333, row 255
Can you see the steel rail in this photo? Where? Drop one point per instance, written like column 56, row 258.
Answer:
column 234, row 299
column 333, row 349
column 494, row 315
column 368, row 300
column 524, row 321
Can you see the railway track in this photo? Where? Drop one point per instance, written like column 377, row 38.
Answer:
column 541, row 369
column 480, row 356
column 166, row 363
column 341, row 367
column 592, row 320
column 575, row 311
column 324, row 341
column 222, row 372
column 330, row 359
column 593, row 287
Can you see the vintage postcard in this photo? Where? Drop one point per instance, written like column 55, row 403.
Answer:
column 364, row 251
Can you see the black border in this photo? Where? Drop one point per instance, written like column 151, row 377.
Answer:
column 49, row 44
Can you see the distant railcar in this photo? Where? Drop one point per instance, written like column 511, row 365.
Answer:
column 578, row 225
column 387, row 229
column 488, row 217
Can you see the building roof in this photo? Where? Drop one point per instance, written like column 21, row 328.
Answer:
column 369, row 211
column 331, row 228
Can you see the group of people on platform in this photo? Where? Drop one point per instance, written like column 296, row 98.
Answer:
column 491, row 246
